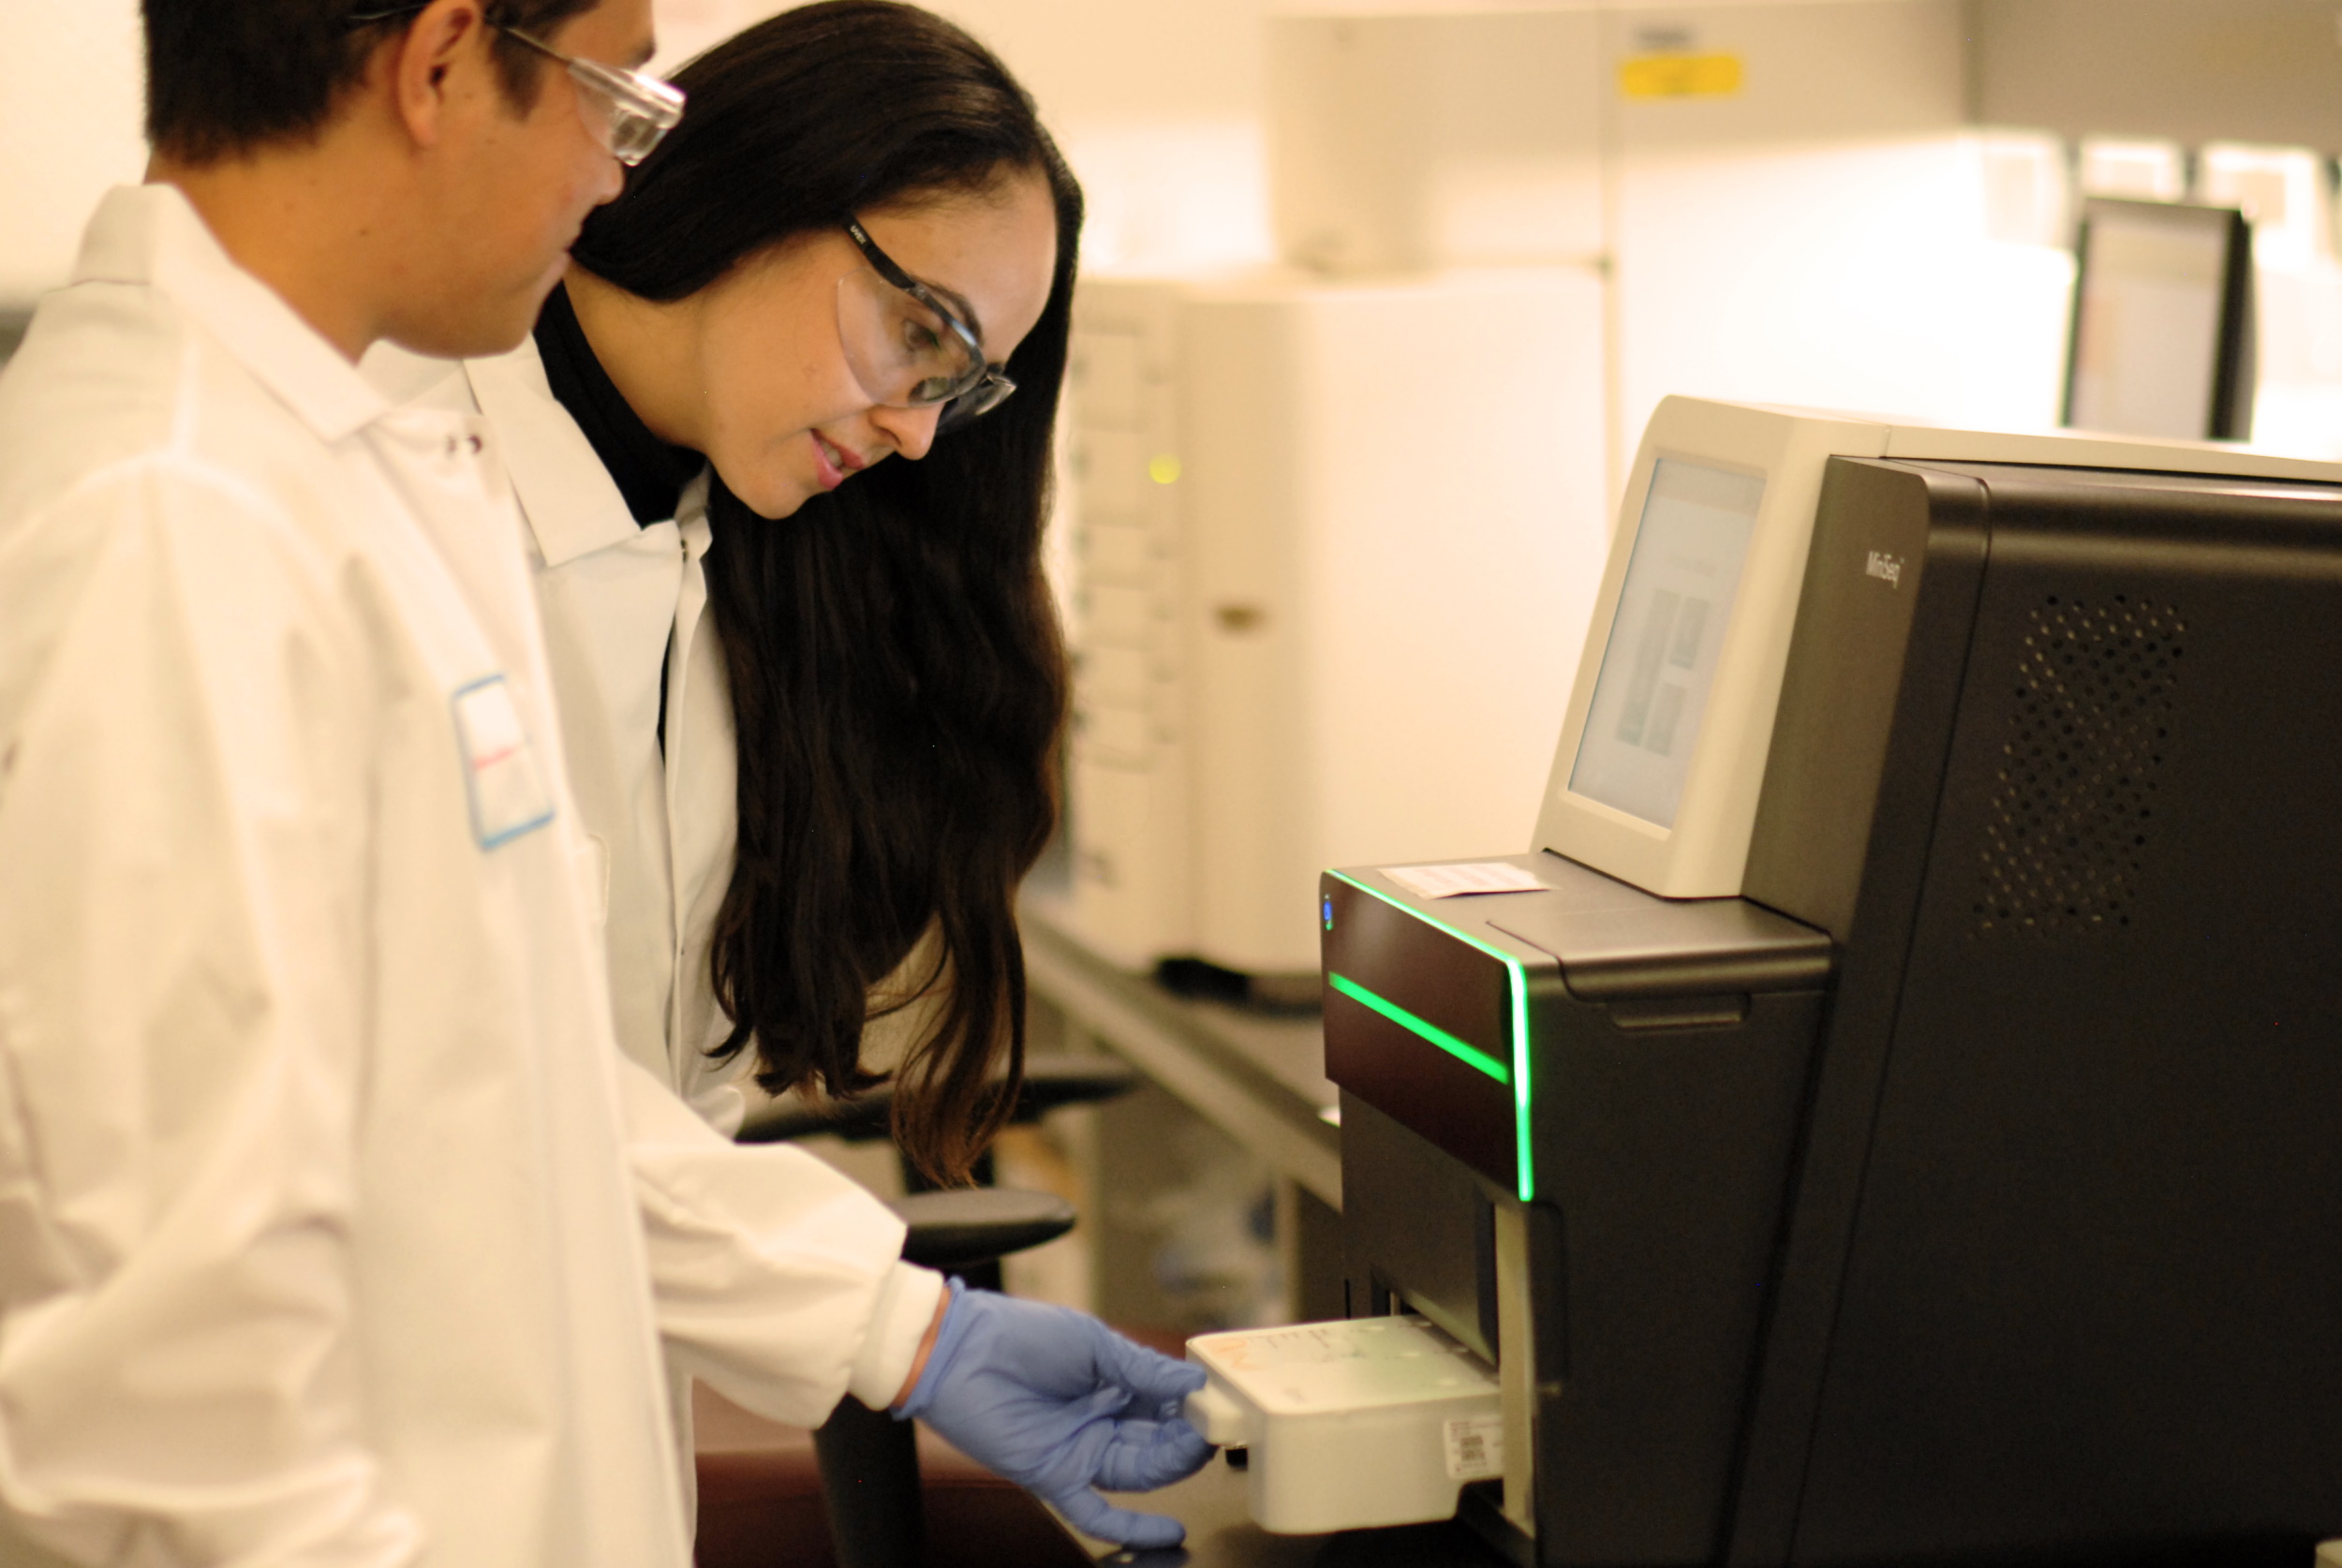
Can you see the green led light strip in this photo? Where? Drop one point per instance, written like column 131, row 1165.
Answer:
column 1518, row 979
column 1472, row 1056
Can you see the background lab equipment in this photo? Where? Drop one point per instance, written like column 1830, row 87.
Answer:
column 1897, row 1123
column 1514, row 229
column 2163, row 321
column 1290, row 494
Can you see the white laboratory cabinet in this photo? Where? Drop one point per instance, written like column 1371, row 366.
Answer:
column 1335, row 545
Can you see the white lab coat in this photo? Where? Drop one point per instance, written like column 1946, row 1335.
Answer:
column 625, row 605
column 333, row 1227
column 622, row 603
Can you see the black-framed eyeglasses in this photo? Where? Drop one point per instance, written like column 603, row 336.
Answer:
column 909, row 348
column 632, row 111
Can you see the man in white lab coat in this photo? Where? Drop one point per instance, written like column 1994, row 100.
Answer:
column 329, row 1214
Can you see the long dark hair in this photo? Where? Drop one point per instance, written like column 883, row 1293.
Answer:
column 897, row 675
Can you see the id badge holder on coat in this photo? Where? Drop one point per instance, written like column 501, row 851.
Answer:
column 509, row 796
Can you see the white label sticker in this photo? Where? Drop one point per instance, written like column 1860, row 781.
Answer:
column 509, row 796
column 1475, row 1447
column 1454, row 882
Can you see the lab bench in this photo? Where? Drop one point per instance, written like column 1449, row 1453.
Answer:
column 1259, row 1079
column 1232, row 1129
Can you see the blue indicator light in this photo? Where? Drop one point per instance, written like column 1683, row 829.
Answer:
column 1328, row 908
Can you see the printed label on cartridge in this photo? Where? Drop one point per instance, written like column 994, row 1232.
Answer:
column 1475, row 1447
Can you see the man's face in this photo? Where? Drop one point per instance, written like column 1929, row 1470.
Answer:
column 510, row 187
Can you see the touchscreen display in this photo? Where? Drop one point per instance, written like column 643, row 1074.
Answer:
column 1652, row 694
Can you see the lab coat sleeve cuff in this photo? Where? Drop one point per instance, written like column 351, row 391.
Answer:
column 906, row 1306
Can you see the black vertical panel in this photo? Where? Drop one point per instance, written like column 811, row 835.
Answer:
column 1666, row 1154
column 1882, row 532
column 1871, row 905
column 2090, row 1301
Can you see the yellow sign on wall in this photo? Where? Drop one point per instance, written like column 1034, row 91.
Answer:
column 1681, row 76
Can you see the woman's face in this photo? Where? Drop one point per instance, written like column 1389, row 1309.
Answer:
column 784, row 419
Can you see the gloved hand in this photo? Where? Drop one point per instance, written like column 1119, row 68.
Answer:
column 1036, row 1393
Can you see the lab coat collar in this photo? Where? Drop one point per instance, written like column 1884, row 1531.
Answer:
column 573, row 505
column 151, row 236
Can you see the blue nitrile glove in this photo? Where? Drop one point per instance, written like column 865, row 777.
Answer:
column 1036, row 1393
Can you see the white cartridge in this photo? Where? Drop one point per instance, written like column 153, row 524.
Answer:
column 1351, row 1425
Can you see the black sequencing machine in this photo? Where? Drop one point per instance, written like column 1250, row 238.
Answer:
column 1894, row 1114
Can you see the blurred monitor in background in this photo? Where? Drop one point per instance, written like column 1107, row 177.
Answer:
column 2163, row 321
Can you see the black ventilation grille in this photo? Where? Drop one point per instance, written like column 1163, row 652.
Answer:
column 2073, row 807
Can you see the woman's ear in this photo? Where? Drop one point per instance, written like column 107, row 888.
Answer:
column 423, row 63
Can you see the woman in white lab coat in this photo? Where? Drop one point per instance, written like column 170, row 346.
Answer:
column 849, row 757
column 787, row 523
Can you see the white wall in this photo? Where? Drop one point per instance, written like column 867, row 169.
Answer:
column 68, row 129
column 1160, row 106
column 1156, row 102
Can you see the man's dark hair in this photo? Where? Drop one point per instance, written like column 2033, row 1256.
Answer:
column 223, row 80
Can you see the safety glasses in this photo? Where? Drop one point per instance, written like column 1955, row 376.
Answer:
column 628, row 111
column 907, row 347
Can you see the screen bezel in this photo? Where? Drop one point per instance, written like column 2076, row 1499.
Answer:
column 1705, row 853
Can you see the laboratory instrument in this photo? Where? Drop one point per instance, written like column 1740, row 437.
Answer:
column 2163, row 322
column 1886, row 1114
